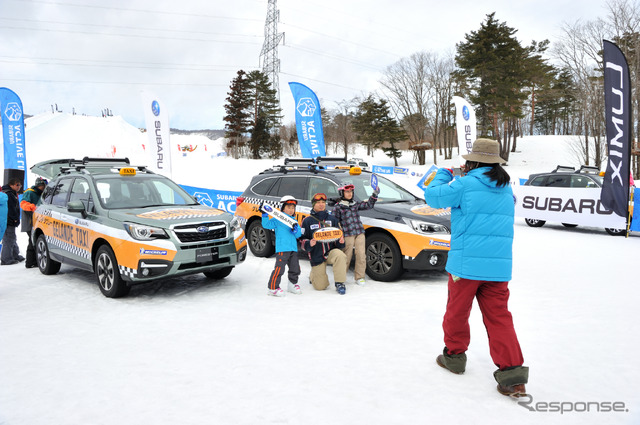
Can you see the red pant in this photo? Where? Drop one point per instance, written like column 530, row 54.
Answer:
column 492, row 299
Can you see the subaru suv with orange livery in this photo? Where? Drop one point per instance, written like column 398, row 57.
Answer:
column 128, row 225
column 402, row 231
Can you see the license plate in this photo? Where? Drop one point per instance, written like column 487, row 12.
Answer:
column 204, row 255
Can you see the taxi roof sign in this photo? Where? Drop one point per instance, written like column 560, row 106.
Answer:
column 127, row 171
column 355, row 171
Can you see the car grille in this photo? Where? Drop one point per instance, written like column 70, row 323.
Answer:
column 201, row 232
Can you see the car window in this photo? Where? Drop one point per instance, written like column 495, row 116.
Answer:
column 48, row 194
column 558, row 181
column 137, row 193
column 320, row 185
column 80, row 191
column 61, row 192
column 293, row 185
column 538, row 181
column 262, row 188
column 582, row 181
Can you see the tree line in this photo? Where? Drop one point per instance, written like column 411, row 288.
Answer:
column 515, row 89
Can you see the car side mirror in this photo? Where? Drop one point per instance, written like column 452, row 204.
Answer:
column 77, row 207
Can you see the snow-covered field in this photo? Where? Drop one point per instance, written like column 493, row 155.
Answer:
column 192, row 351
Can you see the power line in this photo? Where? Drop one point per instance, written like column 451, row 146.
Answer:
column 133, row 83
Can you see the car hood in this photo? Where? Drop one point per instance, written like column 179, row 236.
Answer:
column 169, row 216
column 415, row 211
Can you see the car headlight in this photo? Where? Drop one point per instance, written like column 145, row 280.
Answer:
column 235, row 224
column 428, row 228
column 145, row 233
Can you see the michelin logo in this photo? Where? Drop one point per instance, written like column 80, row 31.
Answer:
column 152, row 252
column 438, row 243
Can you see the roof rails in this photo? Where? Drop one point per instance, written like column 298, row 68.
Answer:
column 87, row 160
column 564, row 168
column 589, row 169
column 319, row 160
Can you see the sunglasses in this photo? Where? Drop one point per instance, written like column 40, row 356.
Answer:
column 319, row 197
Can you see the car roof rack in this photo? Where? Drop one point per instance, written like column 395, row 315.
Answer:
column 564, row 169
column 589, row 169
column 316, row 164
column 93, row 163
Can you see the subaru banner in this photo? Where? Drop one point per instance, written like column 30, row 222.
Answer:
column 157, row 121
column 220, row 199
column 465, row 126
column 15, row 157
column 308, row 121
column 617, row 107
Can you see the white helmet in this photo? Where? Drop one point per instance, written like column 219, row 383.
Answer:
column 287, row 199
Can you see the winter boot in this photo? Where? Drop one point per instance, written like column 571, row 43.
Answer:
column 511, row 380
column 454, row 363
column 278, row 292
column 360, row 281
column 294, row 288
column 341, row 288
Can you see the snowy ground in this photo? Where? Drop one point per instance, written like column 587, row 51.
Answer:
column 192, row 351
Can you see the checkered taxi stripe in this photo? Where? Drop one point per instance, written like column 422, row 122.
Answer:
column 126, row 271
column 257, row 201
column 68, row 247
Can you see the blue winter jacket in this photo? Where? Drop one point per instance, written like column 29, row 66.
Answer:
column 481, row 224
column 285, row 240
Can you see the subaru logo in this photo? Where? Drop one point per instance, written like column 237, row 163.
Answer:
column 465, row 113
column 202, row 229
column 155, row 108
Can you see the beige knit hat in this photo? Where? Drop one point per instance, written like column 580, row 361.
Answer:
column 486, row 151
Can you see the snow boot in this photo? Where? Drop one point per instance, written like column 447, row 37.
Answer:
column 511, row 380
column 341, row 288
column 278, row 292
column 294, row 288
column 360, row 281
column 454, row 363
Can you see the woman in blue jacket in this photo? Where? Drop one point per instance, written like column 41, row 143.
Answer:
column 479, row 262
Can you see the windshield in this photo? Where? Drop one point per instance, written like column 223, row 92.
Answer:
column 140, row 192
column 389, row 191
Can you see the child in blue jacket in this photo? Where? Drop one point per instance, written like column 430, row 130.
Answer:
column 286, row 249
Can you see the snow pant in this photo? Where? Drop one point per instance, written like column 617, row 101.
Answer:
column 318, row 276
column 10, row 250
column 492, row 298
column 356, row 241
column 290, row 260
column 31, row 253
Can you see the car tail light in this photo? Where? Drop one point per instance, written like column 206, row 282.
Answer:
column 239, row 200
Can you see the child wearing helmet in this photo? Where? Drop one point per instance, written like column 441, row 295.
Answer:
column 346, row 211
column 286, row 249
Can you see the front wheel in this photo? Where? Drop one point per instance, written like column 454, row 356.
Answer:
column 43, row 258
column 384, row 260
column 534, row 223
column 108, row 275
column 616, row 232
column 260, row 240
column 218, row 274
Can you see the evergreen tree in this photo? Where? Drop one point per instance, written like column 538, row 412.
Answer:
column 237, row 118
column 374, row 125
column 264, row 105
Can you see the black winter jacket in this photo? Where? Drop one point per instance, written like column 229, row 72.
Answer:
column 320, row 251
column 13, row 216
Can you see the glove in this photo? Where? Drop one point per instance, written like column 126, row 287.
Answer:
column 294, row 229
column 265, row 215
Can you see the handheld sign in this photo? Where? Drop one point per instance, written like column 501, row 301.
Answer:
column 279, row 215
column 374, row 181
column 327, row 234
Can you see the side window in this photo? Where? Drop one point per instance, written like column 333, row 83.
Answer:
column 262, row 188
column 580, row 181
column 538, row 181
column 61, row 192
column 320, row 185
column 48, row 194
column 80, row 191
column 293, row 186
column 558, row 181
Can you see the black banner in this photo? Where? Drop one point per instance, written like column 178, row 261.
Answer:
column 617, row 103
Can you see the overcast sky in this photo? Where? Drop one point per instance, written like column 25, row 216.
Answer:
column 90, row 54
